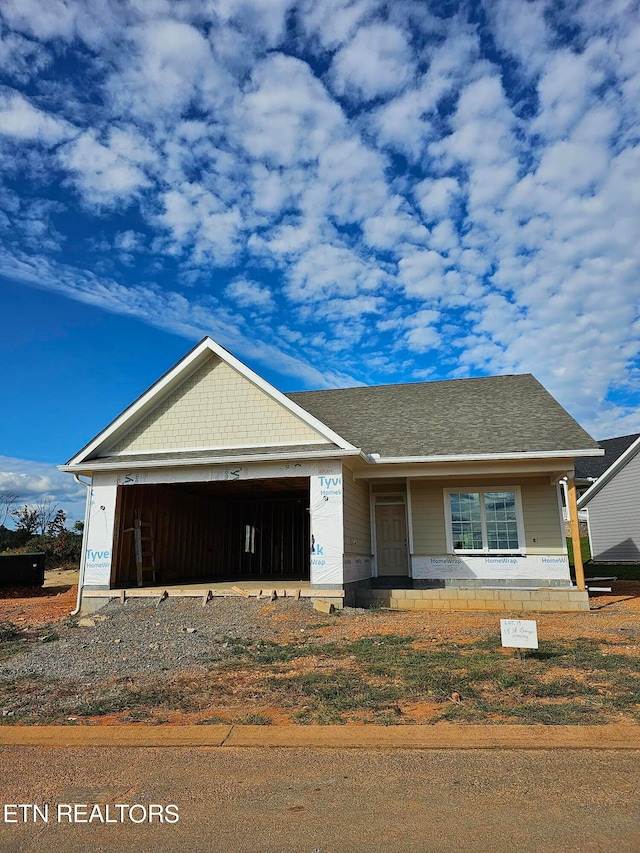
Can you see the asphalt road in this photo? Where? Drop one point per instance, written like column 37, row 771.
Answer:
column 320, row 801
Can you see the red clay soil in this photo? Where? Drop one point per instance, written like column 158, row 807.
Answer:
column 37, row 607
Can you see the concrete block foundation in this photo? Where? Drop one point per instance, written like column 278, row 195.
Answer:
column 549, row 599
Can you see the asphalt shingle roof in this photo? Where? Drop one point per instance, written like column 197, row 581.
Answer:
column 494, row 414
column 592, row 467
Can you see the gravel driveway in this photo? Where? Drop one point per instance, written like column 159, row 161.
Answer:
column 144, row 638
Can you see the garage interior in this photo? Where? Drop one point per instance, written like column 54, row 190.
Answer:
column 217, row 531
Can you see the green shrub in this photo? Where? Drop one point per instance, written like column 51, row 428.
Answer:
column 61, row 550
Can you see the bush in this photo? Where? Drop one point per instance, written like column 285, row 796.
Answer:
column 12, row 539
column 61, row 550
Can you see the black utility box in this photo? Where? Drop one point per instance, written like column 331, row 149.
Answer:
column 21, row 570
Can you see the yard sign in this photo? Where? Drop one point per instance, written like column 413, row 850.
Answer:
column 519, row 633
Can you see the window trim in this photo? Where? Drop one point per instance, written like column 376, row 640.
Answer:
column 485, row 550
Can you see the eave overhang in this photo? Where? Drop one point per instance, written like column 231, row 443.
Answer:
column 488, row 457
column 555, row 464
column 124, row 463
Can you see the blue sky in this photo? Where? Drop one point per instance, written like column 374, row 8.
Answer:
column 338, row 191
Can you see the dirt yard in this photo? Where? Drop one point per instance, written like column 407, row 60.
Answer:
column 282, row 662
column 38, row 607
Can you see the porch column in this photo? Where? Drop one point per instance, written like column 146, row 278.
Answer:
column 575, row 532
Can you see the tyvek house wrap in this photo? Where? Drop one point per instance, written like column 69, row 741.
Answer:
column 326, row 529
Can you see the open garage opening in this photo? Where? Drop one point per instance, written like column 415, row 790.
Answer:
column 238, row 530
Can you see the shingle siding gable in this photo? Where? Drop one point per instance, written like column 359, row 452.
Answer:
column 215, row 407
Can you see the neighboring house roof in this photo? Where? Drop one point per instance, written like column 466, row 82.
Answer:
column 455, row 417
column 632, row 450
column 590, row 468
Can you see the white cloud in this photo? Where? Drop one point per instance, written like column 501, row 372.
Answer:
column 421, row 334
column 287, row 241
column 166, row 66
column 286, row 115
column 198, row 218
column 444, row 236
column 573, row 168
column 129, row 241
column 21, row 121
column 344, row 167
column 38, row 481
column 265, row 19
column 101, row 173
column 333, row 22
column 327, row 271
column 421, row 273
column 251, row 294
column 566, row 89
column 520, row 29
column 22, row 58
column 483, row 128
column 436, row 196
column 410, row 121
column 394, row 225
column 377, row 62
column 271, row 192
column 345, row 309
column 44, row 19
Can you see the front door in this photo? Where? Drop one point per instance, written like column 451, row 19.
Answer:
column 391, row 540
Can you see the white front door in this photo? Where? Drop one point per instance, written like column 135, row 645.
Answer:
column 391, row 540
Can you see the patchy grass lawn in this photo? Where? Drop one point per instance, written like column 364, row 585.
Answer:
column 382, row 677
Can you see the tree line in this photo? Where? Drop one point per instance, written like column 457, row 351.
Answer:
column 39, row 527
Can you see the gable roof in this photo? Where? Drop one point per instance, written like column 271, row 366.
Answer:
column 457, row 419
column 594, row 467
column 632, row 450
column 172, row 380
column 477, row 417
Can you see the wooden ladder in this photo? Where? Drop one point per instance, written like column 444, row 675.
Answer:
column 143, row 546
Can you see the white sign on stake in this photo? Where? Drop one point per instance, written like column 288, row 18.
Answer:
column 519, row 633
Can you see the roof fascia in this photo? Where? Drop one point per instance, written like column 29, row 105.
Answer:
column 487, row 457
column 132, row 413
column 611, row 471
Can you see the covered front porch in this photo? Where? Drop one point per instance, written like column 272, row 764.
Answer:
column 462, row 537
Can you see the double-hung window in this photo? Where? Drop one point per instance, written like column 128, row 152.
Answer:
column 484, row 521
